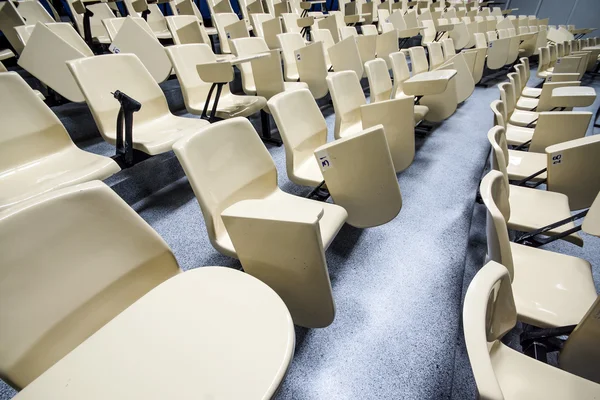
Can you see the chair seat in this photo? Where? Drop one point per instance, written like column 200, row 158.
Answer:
column 523, row 164
column 232, row 105
column 330, row 223
column 293, row 77
column 158, row 136
column 295, row 85
column 163, row 34
column 420, row 112
column 551, row 289
column 308, row 173
column 517, row 135
column 527, row 103
column 531, row 209
column 523, row 377
column 186, row 330
column 531, row 92
column 523, row 118
column 65, row 168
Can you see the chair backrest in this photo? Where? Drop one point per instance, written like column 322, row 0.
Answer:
column 580, row 354
column 98, row 76
column 574, row 169
column 387, row 43
column 330, row 23
column 545, row 103
column 347, row 96
column 369, row 30
column 301, row 125
column 221, row 21
column 257, row 21
column 449, row 50
column 499, row 155
column 480, row 41
column 507, row 95
column 187, row 29
column 114, row 25
column 418, row 60
column 367, row 47
column 494, row 191
column 246, row 47
column 185, row 58
column 30, row 129
column 290, row 42
column 489, row 312
column 557, row 127
column 345, row 56
column 380, row 84
column 347, row 31
column 400, row 71
column 497, row 107
column 10, row 18
column 87, row 257
column 436, row 55
column 225, row 162
column 101, row 12
column 290, row 22
column 268, row 77
column 312, row 68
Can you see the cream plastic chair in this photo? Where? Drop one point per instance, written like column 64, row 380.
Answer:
column 37, row 152
column 497, row 54
column 44, row 57
column 367, row 47
column 312, row 68
column 550, row 289
column 380, row 84
column 268, row 77
column 530, row 209
column 239, row 197
column 500, row 372
column 63, row 308
column 290, row 22
column 246, row 47
column 348, row 31
column 387, row 43
column 345, row 56
column 195, row 91
column 135, row 36
column 353, row 114
column 368, row 30
column 187, row 29
column 222, row 21
column 28, row 13
column 330, row 23
column 155, row 18
column 357, row 170
column 324, row 36
column 155, row 128
column 288, row 43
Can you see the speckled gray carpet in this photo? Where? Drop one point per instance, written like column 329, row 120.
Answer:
column 398, row 287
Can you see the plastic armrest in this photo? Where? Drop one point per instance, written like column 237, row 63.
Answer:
column 215, row 72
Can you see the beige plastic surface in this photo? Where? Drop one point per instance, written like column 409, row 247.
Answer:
column 221, row 21
column 280, row 244
column 187, row 29
column 395, row 116
column 302, row 128
column 246, row 47
column 289, row 43
column 155, row 128
column 573, row 96
column 290, row 22
column 156, row 19
column 591, row 223
column 530, row 209
column 312, row 68
column 387, row 43
column 573, row 170
column 345, row 56
column 429, row 83
column 360, row 177
column 418, row 60
column 268, row 77
column 195, row 90
column 37, row 152
column 29, row 13
column 347, row 96
column 45, row 56
column 101, row 11
column 566, row 290
column 557, row 127
column 135, row 38
column 465, row 85
column 330, row 23
column 272, row 28
column 226, row 163
column 367, row 47
column 501, row 372
column 498, row 52
column 237, row 30
column 56, row 296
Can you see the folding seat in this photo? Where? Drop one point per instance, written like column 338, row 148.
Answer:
column 28, row 13
column 330, row 23
column 312, row 68
column 248, row 217
column 459, row 33
column 92, row 274
column 497, row 53
column 551, row 289
column 489, row 312
column 358, row 170
column 381, row 88
column 222, row 22
column 38, row 154
column 267, row 78
column 345, row 56
column 195, row 90
column 288, row 43
column 135, row 36
column 324, row 36
column 154, row 16
column 155, row 128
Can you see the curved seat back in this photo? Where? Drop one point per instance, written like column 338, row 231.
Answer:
column 312, row 68
column 289, row 43
column 246, row 47
column 347, row 96
column 345, row 56
column 418, row 60
column 221, row 22
column 380, row 84
column 400, row 71
column 187, row 29
column 387, row 43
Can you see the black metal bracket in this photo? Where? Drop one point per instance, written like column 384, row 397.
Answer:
column 523, row 182
column 213, row 113
column 530, row 239
column 523, row 145
column 266, row 130
column 124, row 145
column 145, row 14
column 319, row 193
column 539, row 342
